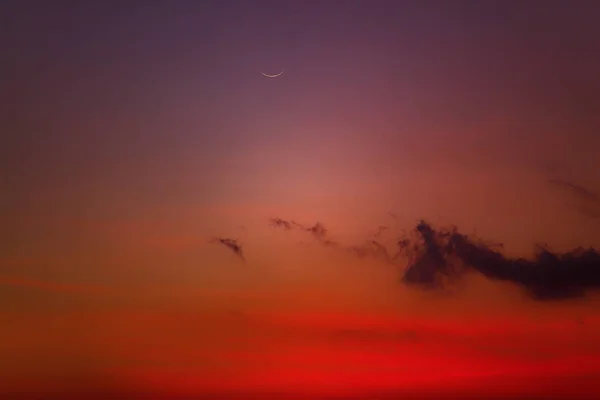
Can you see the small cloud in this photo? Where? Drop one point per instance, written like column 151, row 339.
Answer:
column 280, row 223
column 589, row 200
column 231, row 244
column 318, row 230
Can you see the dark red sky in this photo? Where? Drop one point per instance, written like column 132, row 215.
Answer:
column 132, row 131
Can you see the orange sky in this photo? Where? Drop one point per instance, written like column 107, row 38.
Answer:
column 312, row 323
column 137, row 132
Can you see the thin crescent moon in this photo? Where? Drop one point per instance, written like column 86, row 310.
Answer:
column 272, row 76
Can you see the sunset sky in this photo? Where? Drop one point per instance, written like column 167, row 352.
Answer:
column 135, row 131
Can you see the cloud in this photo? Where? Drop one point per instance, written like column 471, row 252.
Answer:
column 450, row 254
column 280, row 223
column 317, row 230
column 578, row 190
column 437, row 258
column 589, row 200
column 231, row 244
column 370, row 248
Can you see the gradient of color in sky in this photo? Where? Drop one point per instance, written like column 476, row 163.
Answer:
column 133, row 131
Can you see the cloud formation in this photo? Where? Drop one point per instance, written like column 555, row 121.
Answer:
column 439, row 257
column 589, row 205
column 317, row 230
column 231, row 244
column 578, row 190
column 370, row 248
column 548, row 276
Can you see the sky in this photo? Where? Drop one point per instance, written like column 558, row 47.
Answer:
column 134, row 132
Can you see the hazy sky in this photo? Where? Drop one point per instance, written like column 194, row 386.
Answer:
column 134, row 131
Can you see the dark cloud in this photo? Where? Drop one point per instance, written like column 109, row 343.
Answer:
column 317, row 230
column 231, row 244
column 438, row 258
column 449, row 254
column 280, row 223
column 371, row 248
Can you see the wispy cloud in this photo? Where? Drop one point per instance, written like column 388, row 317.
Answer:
column 231, row 244
column 589, row 201
column 436, row 257
column 370, row 248
column 577, row 190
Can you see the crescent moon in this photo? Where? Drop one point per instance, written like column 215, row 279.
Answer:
column 272, row 76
